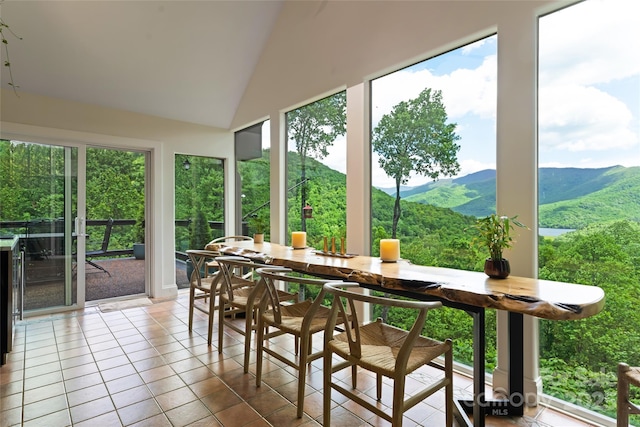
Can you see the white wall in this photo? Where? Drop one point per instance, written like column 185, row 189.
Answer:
column 52, row 121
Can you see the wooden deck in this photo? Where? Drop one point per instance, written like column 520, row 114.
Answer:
column 44, row 285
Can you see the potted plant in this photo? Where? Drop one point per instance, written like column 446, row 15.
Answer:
column 259, row 224
column 138, row 235
column 494, row 233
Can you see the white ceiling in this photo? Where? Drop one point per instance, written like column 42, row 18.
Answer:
column 182, row 60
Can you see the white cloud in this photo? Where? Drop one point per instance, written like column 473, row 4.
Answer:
column 464, row 91
column 583, row 53
column 473, row 46
column 468, row 166
column 576, row 118
column 471, row 91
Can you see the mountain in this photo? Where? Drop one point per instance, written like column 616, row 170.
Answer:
column 569, row 197
column 392, row 190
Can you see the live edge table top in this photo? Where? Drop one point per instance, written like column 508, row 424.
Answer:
column 540, row 298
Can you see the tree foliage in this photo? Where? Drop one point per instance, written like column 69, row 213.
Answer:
column 415, row 137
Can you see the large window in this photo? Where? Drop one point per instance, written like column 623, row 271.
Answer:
column 433, row 169
column 589, row 178
column 316, row 167
column 199, row 201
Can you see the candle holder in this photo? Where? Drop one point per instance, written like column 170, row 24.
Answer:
column 299, row 239
column 389, row 250
column 331, row 250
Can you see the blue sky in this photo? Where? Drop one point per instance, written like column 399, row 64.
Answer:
column 589, row 92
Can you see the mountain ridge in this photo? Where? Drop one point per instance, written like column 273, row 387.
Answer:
column 568, row 197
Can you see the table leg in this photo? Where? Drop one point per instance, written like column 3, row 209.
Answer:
column 516, row 364
column 479, row 349
column 514, row 405
column 478, row 405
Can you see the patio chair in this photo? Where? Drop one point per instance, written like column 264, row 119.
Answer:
column 384, row 350
column 103, row 248
column 239, row 295
column 626, row 376
column 301, row 320
column 202, row 287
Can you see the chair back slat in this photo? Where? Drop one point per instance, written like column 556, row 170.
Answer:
column 198, row 258
column 236, row 271
column 270, row 276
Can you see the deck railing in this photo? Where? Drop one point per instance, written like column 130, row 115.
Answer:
column 45, row 237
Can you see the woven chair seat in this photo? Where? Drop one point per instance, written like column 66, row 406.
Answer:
column 293, row 315
column 380, row 347
column 241, row 296
column 205, row 283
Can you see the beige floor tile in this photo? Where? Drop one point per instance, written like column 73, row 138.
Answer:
column 142, row 367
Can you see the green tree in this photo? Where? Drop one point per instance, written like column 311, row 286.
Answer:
column 313, row 128
column 415, row 137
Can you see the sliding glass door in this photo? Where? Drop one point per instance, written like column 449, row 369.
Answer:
column 39, row 204
column 78, row 211
column 115, row 261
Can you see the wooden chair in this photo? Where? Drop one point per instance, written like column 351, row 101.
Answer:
column 213, row 265
column 240, row 295
column 626, row 376
column 385, row 350
column 301, row 320
column 202, row 287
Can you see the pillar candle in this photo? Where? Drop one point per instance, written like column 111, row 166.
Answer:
column 299, row 239
column 389, row 249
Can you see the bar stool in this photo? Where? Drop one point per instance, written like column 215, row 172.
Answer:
column 627, row 376
column 384, row 350
column 299, row 320
column 240, row 294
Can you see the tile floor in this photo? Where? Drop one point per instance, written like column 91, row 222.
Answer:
column 142, row 367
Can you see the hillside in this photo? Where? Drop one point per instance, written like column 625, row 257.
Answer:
column 569, row 197
column 327, row 195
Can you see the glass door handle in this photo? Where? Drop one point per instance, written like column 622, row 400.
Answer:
column 80, row 226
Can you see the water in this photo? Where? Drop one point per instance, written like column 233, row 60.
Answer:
column 553, row 232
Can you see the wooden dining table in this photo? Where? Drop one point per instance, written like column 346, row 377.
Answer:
column 473, row 292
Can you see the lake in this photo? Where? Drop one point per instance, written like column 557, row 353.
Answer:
column 553, row 232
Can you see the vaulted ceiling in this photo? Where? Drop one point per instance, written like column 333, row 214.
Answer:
column 183, row 60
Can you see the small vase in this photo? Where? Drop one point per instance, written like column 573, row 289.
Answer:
column 498, row 269
column 258, row 238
